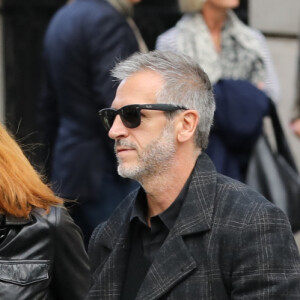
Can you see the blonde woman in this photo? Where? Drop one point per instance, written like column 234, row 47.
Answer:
column 238, row 63
column 42, row 255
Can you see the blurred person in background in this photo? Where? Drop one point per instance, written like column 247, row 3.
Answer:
column 238, row 63
column 42, row 254
column 295, row 125
column 83, row 41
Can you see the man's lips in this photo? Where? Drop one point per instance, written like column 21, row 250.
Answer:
column 122, row 150
column 124, row 147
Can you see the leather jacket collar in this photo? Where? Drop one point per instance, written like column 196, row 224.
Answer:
column 13, row 220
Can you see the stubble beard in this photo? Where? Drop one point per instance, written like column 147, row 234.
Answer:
column 155, row 159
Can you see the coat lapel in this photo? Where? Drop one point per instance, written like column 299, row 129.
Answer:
column 174, row 261
column 168, row 268
column 114, row 240
column 113, row 272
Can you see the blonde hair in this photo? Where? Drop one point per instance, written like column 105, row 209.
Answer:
column 21, row 187
column 190, row 6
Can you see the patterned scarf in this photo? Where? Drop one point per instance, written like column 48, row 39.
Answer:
column 240, row 58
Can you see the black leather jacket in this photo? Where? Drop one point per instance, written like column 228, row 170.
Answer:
column 43, row 258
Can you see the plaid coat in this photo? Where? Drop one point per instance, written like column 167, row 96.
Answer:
column 228, row 242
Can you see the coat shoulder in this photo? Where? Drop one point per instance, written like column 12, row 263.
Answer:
column 241, row 205
column 86, row 12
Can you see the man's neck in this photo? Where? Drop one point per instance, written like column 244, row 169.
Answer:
column 163, row 189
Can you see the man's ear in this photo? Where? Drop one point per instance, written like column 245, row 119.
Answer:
column 187, row 125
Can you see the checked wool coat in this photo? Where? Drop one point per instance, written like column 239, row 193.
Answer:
column 228, row 242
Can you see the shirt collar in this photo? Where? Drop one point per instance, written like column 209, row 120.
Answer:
column 140, row 207
column 169, row 216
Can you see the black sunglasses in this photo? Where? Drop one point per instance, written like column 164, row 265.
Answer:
column 131, row 114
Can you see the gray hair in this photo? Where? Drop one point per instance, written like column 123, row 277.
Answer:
column 186, row 84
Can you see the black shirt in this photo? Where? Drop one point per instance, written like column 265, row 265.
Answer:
column 146, row 241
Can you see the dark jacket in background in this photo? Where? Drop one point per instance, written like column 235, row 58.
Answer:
column 82, row 44
column 43, row 258
column 228, row 242
column 240, row 109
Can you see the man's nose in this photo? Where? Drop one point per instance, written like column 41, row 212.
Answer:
column 118, row 129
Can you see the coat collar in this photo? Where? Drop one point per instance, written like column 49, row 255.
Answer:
column 196, row 212
column 17, row 221
column 166, row 270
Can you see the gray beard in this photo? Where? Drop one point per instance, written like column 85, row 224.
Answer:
column 155, row 159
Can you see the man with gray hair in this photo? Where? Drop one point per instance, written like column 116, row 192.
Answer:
column 187, row 232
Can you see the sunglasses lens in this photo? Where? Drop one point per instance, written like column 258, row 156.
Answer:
column 108, row 117
column 131, row 117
